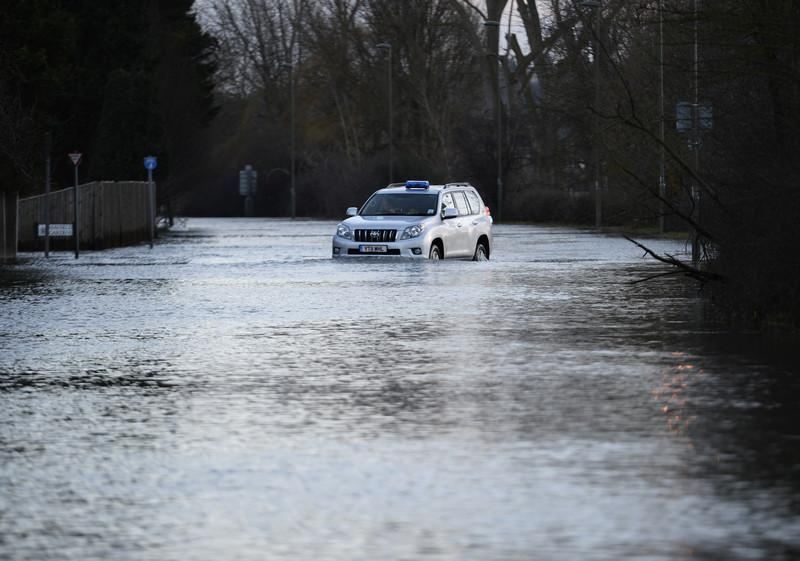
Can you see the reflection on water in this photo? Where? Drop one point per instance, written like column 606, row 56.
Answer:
column 237, row 394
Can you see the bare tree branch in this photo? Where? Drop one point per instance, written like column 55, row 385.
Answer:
column 688, row 270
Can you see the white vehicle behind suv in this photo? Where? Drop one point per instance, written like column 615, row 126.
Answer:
column 417, row 219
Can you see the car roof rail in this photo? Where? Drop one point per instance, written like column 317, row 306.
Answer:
column 403, row 184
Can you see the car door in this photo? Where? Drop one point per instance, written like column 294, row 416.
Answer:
column 478, row 221
column 451, row 236
column 462, row 245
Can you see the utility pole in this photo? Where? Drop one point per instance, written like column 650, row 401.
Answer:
column 662, row 170
column 295, row 59
column 498, row 115
column 293, row 140
column 388, row 48
column 696, row 195
column 595, row 6
column 598, row 203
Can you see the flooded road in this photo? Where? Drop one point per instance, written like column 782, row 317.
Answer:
column 235, row 394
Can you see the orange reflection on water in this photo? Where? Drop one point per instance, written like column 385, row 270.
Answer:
column 673, row 394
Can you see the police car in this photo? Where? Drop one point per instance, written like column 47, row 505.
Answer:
column 417, row 219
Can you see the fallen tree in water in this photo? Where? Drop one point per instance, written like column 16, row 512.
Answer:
column 681, row 267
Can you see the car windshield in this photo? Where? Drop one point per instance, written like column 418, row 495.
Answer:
column 400, row 204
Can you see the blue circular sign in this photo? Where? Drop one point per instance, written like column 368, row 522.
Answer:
column 150, row 162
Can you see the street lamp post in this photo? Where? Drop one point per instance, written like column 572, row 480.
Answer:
column 491, row 25
column 388, row 48
column 594, row 5
column 292, row 193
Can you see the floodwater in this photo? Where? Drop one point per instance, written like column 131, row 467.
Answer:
column 235, row 394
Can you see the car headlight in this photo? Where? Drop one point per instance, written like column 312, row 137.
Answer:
column 412, row 231
column 343, row 231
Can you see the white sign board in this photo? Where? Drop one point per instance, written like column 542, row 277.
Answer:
column 56, row 230
column 687, row 115
column 248, row 181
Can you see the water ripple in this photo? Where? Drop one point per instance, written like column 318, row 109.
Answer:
column 235, row 393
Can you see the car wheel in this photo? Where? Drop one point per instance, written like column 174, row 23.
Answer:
column 481, row 252
column 435, row 253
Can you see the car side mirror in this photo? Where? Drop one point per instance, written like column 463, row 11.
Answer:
column 449, row 212
column 352, row 211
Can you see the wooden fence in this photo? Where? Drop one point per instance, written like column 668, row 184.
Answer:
column 110, row 214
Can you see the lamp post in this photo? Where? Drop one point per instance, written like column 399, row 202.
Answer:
column 594, row 5
column 292, row 193
column 388, row 48
column 491, row 25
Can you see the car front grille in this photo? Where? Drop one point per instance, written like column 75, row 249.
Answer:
column 376, row 236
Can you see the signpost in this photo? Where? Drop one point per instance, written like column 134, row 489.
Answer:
column 54, row 230
column 48, row 146
column 248, row 181
column 151, row 163
column 76, row 161
column 694, row 119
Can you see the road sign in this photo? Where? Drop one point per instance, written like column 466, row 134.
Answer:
column 75, row 157
column 683, row 116
column 687, row 115
column 248, row 181
column 705, row 116
column 150, row 162
column 56, row 230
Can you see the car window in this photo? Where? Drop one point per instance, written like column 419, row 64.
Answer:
column 461, row 203
column 474, row 202
column 447, row 201
column 400, row 204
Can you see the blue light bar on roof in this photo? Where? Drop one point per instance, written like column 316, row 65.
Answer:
column 417, row 184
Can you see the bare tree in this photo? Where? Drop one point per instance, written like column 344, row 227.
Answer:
column 434, row 70
column 338, row 58
column 256, row 38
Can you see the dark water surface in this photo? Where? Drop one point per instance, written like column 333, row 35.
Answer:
column 235, row 394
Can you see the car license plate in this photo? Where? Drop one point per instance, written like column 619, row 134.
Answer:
column 372, row 249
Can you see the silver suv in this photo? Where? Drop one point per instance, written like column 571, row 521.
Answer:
column 417, row 219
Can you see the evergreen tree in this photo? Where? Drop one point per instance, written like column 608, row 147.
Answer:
column 116, row 79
